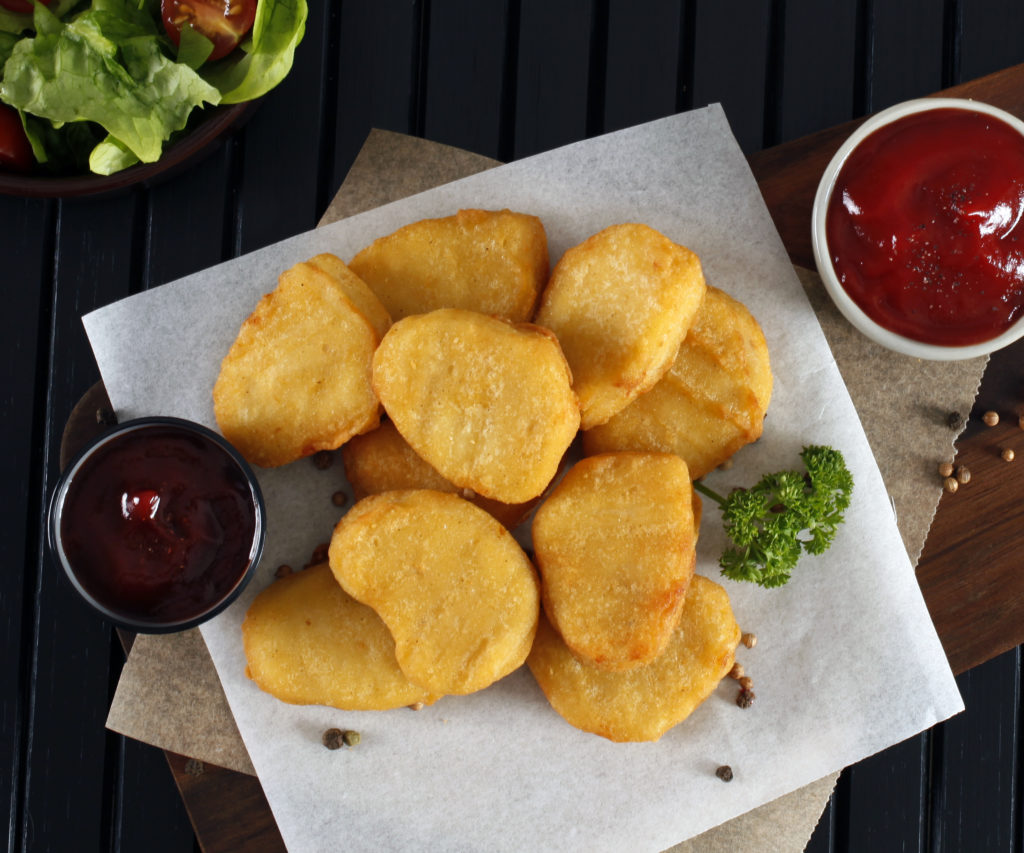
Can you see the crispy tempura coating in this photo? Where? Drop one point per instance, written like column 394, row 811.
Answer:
column 620, row 303
column 711, row 402
column 458, row 594
column 487, row 403
column 491, row 261
column 297, row 378
column 310, row 643
column 382, row 461
column 642, row 704
column 615, row 544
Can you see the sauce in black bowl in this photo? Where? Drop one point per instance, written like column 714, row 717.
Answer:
column 158, row 524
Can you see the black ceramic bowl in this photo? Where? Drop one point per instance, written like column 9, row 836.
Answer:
column 158, row 524
column 211, row 128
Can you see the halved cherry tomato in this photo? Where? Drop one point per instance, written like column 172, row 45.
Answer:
column 224, row 22
column 22, row 6
column 15, row 151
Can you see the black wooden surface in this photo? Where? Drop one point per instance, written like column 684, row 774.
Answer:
column 505, row 78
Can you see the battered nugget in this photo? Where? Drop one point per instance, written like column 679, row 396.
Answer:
column 308, row 642
column 297, row 378
column 620, row 304
column 642, row 704
column 491, row 261
column 487, row 403
column 458, row 594
column 382, row 461
column 711, row 402
column 615, row 543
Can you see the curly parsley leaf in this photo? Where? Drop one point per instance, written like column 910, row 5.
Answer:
column 784, row 515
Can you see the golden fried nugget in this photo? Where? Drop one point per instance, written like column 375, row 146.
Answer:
column 642, row 704
column 494, row 262
column 615, row 544
column 458, row 594
column 620, row 303
column 487, row 403
column 712, row 401
column 382, row 461
column 297, row 378
column 310, row 643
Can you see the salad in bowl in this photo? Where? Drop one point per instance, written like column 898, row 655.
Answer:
column 101, row 85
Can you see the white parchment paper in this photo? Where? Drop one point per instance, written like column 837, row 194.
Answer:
column 847, row 661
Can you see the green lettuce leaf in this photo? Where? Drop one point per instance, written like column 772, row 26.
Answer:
column 266, row 57
column 105, row 66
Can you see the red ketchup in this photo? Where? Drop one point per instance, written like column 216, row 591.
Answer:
column 159, row 524
column 924, row 226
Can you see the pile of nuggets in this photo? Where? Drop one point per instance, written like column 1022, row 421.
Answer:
column 455, row 374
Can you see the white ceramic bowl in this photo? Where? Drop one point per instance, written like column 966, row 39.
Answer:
column 840, row 297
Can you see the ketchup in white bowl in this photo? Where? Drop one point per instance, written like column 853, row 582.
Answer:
column 919, row 228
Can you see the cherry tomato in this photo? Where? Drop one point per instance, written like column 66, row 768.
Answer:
column 224, row 22
column 22, row 6
column 15, row 151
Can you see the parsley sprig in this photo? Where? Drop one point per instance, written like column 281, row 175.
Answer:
column 773, row 522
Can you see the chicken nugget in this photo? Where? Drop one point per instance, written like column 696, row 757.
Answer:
column 382, row 461
column 615, row 544
column 297, row 378
column 711, row 402
column 491, row 261
column 308, row 642
column 487, row 403
column 642, row 704
column 458, row 594
column 620, row 303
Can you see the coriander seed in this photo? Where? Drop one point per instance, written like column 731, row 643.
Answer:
column 746, row 683
column 339, row 499
column 990, row 418
column 350, row 738
column 749, row 639
column 283, row 571
column 724, row 773
column 951, row 485
column 1020, row 421
column 319, row 554
column 945, row 469
column 1008, row 454
column 963, row 475
column 736, row 671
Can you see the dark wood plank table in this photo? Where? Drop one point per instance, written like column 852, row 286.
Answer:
column 506, row 80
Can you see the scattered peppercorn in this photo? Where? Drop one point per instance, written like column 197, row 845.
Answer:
column 736, row 671
column 951, row 485
column 955, row 420
column 990, row 418
column 963, row 475
column 283, row 571
column 1008, row 454
column 319, row 554
column 946, row 469
column 339, row 499
column 323, row 459
column 749, row 639
column 333, row 738
column 724, row 773
column 105, row 417
column 745, row 698
column 195, row 767
column 746, row 683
